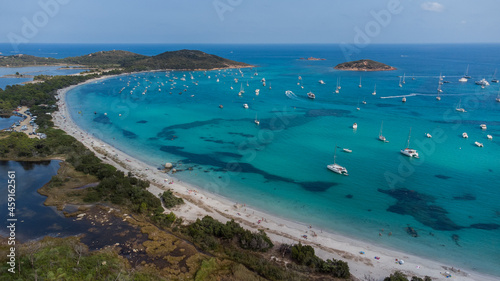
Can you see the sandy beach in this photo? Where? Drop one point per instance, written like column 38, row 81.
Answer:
column 365, row 260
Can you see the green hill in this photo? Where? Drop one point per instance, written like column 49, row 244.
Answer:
column 187, row 59
column 182, row 59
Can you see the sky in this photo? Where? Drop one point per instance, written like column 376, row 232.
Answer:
column 250, row 21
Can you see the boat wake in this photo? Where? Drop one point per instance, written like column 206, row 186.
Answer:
column 425, row 95
column 291, row 95
column 403, row 96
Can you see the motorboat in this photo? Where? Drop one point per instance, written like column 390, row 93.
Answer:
column 464, row 135
column 483, row 126
column 478, row 144
column 311, row 95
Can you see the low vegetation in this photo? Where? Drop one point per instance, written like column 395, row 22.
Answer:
column 170, row 200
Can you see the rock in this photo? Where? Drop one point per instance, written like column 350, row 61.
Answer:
column 168, row 166
column 174, row 171
column 364, row 65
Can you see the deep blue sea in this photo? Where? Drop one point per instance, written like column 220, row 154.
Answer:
column 450, row 195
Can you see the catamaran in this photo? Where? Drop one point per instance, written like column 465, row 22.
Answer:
column 336, row 168
column 409, row 151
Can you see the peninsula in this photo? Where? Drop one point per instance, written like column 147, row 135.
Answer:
column 364, row 65
column 128, row 61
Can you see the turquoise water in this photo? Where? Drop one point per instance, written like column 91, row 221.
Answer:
column 449, row 196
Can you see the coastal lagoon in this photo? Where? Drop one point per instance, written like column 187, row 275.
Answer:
column 35, row 220
column 449, row 196
column 33, row 71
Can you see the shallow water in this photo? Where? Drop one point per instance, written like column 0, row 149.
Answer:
column 449, row 196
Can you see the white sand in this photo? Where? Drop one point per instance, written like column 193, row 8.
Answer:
column 199, row 204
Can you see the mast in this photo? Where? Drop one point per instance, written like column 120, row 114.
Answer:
column 409, row 135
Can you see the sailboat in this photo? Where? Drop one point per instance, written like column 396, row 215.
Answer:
column 336, row 168
column 404, row 74
column 466, row 75
column 364, row 102
column 375, row 90
column 458, row 108
column 359, row 86
column 380, row 136
column 256, row 121
column 337, row 89
column 494, row 80
column 408, row 151
column 357, row 108
column 498, row 96
column 400, row 85
column 242, row 90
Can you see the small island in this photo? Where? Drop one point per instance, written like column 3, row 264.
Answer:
column 311, row 58
column 364, row 65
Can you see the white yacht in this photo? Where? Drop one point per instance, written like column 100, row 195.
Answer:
column 355, row 125
column 490, row 137
column 375, row 90
column 483, row 126
column 311, row 95
column 380, row 136
column 321, row 82
column 464, row 135
column 428, row 135
column 478, row 144
column 482, row 82
column 409, row 151
column 257, row 91
column 245, row 106
column 463, row 80
column 403, row 99
column 336, row 168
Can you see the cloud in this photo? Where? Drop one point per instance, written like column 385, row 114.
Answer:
column 432, row 6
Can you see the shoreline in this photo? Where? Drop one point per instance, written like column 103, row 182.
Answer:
column 327, row 245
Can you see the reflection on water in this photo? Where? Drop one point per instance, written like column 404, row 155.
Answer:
column 34, row 220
